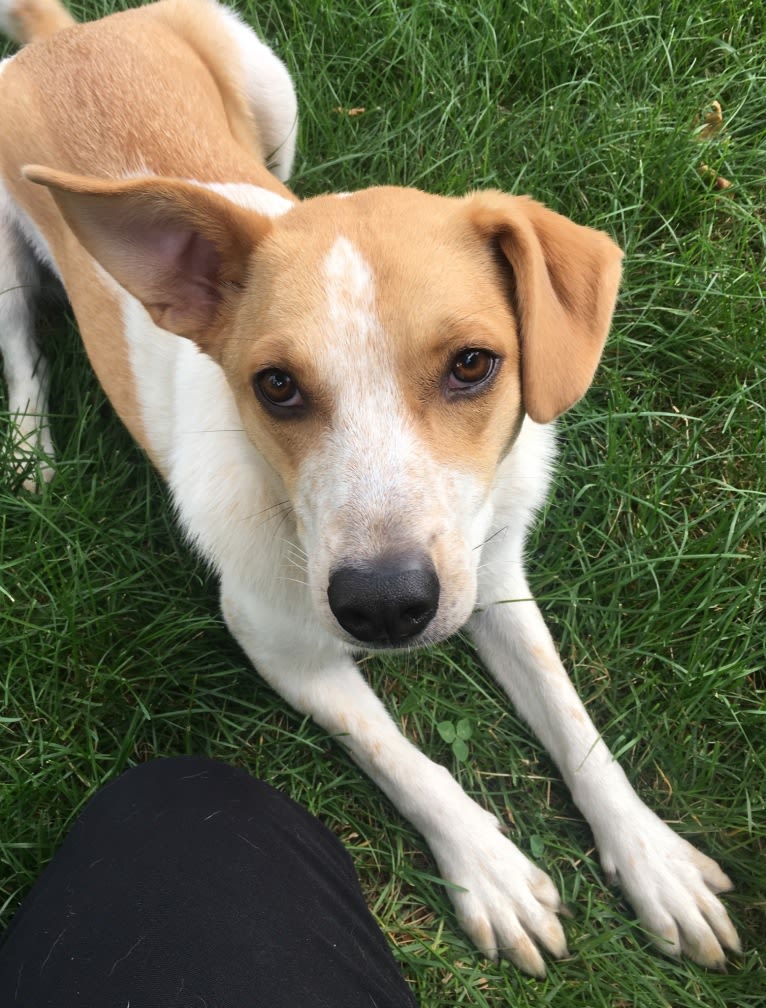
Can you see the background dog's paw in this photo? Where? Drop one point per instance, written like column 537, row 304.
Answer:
column 671, row 886
column 507, row 906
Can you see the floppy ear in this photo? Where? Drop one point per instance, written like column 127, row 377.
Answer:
column 565, row 280
column 182, row 250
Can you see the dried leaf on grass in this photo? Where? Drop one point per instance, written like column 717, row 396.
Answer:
column 710, row 128
column 712, row 122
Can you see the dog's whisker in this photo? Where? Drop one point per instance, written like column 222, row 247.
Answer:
column 289, row 580
column 498, row 532
column 211, row 430
column 299, row 564
column 278, row 509
column 286, row 514
column 294, row 553
column 269, row 518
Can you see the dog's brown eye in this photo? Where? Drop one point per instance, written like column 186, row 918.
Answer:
column 470, row 368
column 277, row 388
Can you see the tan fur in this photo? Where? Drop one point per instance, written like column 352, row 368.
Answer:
column 548, row 326
column 198, row 25
column 429, row 321
column 175, row 207
column 86, row 111
column 565, row 283
column 105, row 116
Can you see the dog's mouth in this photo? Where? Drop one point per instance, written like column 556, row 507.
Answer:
column 388, row 604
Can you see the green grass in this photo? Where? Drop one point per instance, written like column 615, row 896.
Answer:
column 648, row 561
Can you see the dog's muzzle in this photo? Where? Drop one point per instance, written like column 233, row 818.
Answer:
column 385, row 603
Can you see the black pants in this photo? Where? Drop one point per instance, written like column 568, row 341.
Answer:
column 186, row 883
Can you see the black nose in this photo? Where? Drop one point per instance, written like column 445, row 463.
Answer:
column 387, row 602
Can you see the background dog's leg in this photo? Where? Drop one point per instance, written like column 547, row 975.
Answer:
column 506, row 904
column 25, row 369
column 670, row 884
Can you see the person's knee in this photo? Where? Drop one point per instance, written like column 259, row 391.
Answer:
column 180, row 793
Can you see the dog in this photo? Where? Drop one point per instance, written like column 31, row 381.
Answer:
column 383, row 366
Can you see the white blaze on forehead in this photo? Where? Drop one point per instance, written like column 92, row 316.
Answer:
column 358, row 356
column 362, row 460
column 349, row 277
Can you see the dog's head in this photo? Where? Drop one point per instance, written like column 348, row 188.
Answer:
column 383, row 348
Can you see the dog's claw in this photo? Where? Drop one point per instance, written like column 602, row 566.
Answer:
column 672, row 887
column 506, row 905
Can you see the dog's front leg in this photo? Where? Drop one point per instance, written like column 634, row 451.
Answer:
column 669, row 883
column 506, row 904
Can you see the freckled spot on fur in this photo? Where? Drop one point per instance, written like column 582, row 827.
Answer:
column 481, row 931
column 547, row 658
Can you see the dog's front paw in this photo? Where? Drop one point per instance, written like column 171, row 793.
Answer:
column 671, row 886
column 506, row 905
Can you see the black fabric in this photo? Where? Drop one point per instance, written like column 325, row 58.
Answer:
column 188, row 884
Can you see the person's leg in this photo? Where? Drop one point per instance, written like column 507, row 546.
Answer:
column 188, row 883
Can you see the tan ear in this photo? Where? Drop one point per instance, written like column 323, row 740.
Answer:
column 565, row 281
column 182, row 250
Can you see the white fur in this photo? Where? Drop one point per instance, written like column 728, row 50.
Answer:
column 250, row 197
column 269, row 89
column 21, row 223
column 25, row 368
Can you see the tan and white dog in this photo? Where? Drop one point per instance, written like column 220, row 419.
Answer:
column 380, row 367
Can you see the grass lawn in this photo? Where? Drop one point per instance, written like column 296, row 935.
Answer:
column 648, row 562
